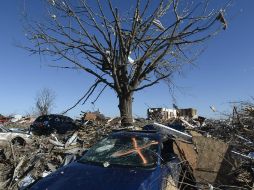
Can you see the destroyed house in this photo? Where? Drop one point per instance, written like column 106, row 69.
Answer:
column 187, row 112
column 160, row 113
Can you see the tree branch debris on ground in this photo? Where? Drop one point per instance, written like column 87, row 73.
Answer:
column 22, row 165
column 215, row 154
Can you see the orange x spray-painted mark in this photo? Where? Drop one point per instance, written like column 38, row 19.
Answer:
column 136, row 149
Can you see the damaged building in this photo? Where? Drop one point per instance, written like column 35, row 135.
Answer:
column 187, row 112
column 163, row 114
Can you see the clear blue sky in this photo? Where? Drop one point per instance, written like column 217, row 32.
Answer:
column 223, row 73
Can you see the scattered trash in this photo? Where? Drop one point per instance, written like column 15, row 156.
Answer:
column 26, row 181
column 251, row 155
column 22, row 166
column 215, row 154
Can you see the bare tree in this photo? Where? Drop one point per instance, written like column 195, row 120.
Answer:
column 44, row 101
column 125, row 51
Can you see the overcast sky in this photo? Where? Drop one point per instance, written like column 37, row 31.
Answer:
column 223, row 73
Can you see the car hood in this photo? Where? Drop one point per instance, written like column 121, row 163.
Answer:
column 16, row 130
column 90, row 177
column 21, row 134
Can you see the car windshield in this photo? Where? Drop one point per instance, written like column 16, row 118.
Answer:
column 125, row 151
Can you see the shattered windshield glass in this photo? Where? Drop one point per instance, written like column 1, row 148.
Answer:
column 125, row 151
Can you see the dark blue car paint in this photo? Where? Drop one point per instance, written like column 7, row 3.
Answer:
column 88, row 176
column 91, row 177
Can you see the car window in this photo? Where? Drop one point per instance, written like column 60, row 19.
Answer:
column 51, row 118
column 66, row 119
column 125, row 151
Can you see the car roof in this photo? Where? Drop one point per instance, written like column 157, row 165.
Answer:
column 54, row 115
column 137, row 133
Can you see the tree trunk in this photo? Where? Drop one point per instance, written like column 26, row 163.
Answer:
column 125, row 107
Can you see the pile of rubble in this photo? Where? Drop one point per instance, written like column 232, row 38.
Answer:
column 21, row 166
column 17, row 121
column 221, row 154
column 215, row 154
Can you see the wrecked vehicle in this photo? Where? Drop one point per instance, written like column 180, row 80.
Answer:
column 47, row 124
column 136, row 160
column 14, row 136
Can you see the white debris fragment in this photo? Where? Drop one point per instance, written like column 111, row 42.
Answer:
column 158, row 24
column 130, row 60
column 187, row 123
column 53, row 2
column 72, row 140
column 213, row 108
column 106, row 164
column 170, row 131
column 26, row 181
column 45, row 173
column 53, row 16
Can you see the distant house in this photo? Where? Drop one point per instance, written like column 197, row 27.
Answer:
column 161, row 113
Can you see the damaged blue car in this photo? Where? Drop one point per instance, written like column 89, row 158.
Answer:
column 126, row 160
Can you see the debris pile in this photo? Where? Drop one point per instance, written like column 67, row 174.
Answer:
column 21, row 166
column 215, row 154
column 17, row 121
column 221, row 154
